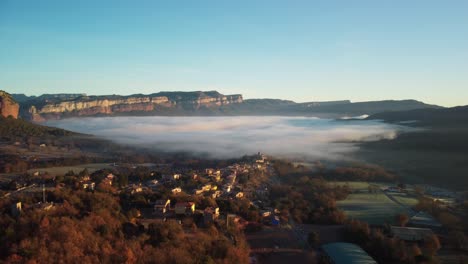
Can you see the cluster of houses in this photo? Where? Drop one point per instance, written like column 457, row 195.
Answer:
column 163, row 209
column 213, row 183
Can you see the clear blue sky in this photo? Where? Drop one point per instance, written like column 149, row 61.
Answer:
column 298, row 50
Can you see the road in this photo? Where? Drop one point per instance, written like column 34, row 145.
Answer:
column 19, row 190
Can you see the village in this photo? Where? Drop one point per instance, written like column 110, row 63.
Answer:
column 237, row 196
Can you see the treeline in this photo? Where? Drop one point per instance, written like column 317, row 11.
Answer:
column 355, row 172
column 360, row 173
column 10, row 128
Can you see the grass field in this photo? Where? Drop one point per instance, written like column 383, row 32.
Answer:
column 373, row 208
column 405, row 199
column 62, row 170
column 354, row 185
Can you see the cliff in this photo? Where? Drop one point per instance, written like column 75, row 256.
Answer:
column 8, row 106
column 56, row 107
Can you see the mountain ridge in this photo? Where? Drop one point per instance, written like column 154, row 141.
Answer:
column 196, row 103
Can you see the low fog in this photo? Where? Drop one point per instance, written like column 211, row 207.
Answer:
column 226, row 137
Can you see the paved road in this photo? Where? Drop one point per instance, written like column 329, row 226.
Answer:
column 19, row 190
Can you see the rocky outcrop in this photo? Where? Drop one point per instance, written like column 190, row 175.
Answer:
column 8, row 106
column 164, row 102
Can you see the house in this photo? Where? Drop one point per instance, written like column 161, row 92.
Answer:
column 135, row 189
column 152, row 183
column 16, row 209
column 206, row 187
column 161, row 206
column 345, row 253
column 184, row 208
column 265, row 213
column 216, row 194
column 227, row 188
column 86, row 178
column 217, row 177
column 216, row 174
column 172, row 177
column 109, row 179
column 88, row 185
column 210, row 214
column 411, row 233
column 176, row 190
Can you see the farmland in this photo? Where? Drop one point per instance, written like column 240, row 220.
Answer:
column 76, row 169
column 407, row 200
column 374, row 208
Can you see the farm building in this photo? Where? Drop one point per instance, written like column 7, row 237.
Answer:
column 423, row 219
column 345, row 253
column 411, row 233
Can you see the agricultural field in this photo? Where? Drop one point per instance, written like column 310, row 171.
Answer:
column 92, row 167
column 354, row 185
column 373, row 208
column 405, row 199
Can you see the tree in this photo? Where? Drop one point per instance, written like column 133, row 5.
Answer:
column 402, row 219
column 123, row 180
column 313, row 239
column 431, row 245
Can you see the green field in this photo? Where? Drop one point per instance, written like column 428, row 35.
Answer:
column 405, row 199
column 92, row 167
column 373, row 208
column 354, row 185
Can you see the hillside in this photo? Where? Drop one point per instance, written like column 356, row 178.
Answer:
column 455, row 116
column 198, row 103
column 17, row 128
column 434, row 153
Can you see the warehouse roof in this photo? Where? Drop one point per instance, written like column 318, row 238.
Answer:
column 347, row 253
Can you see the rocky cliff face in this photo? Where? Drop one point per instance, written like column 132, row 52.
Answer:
column 8, row 106
column 164, row 102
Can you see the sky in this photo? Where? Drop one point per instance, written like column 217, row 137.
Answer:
column 296, row 50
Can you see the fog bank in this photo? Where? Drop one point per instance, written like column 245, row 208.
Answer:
column 226, row 137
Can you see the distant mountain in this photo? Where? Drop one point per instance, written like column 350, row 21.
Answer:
column 57, row 106
column 454, row 116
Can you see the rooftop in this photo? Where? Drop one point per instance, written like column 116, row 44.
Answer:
column 423, row 218
column 411, row 233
